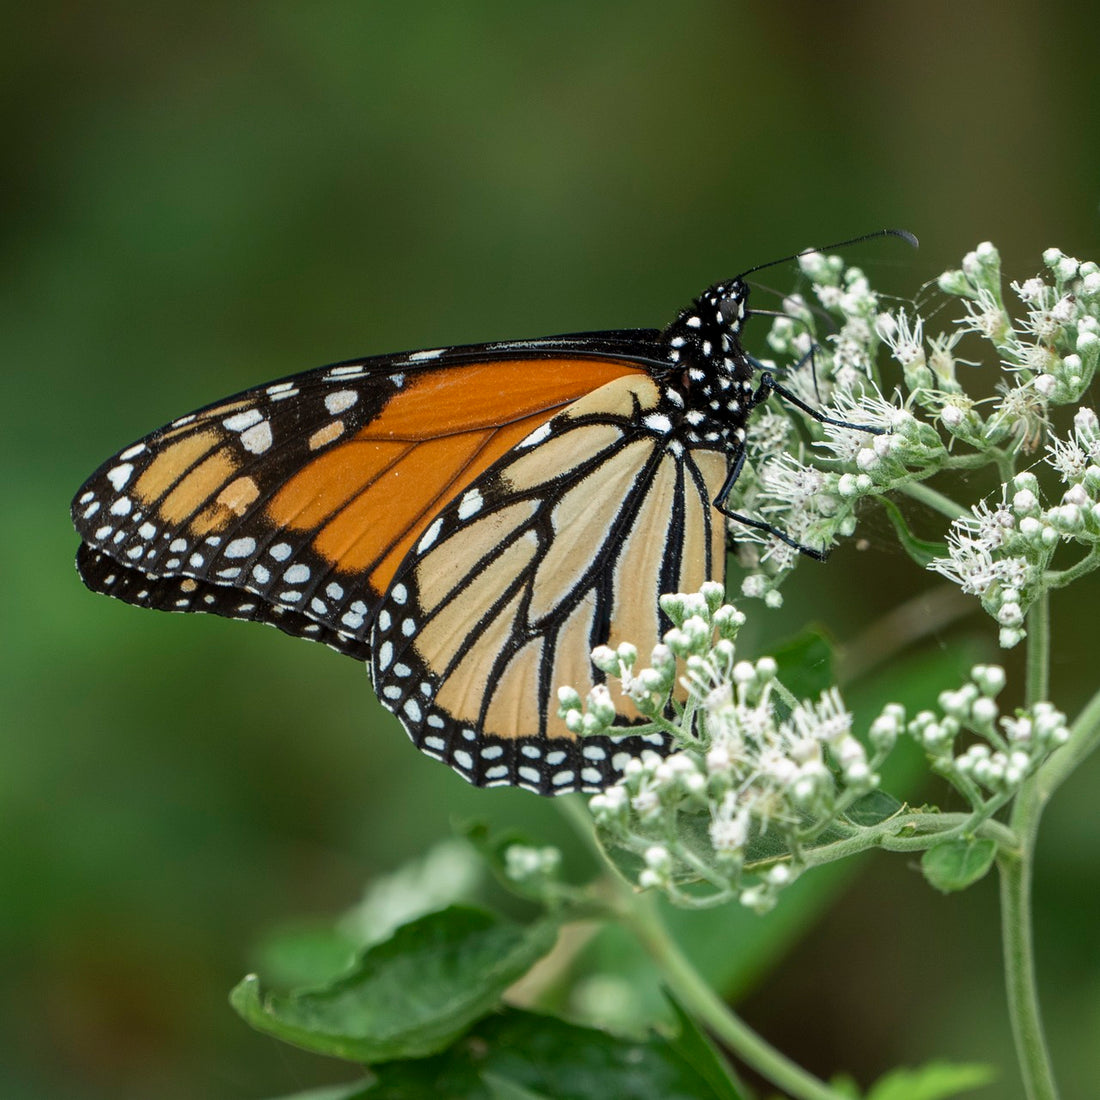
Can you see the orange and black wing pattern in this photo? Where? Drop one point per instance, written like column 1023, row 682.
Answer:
column 306, row 494
column 469, row 521
column 565, row 543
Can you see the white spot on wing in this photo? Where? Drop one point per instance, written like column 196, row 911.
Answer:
column 240, row 548
column 340, row 400
column 536, row 437
column 243, row 420
column 120, row 475
column 417, row 356
column 471, row 503
column 429, row 536
column 258, row 438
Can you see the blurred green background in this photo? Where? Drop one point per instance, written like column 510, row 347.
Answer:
column 206, row 197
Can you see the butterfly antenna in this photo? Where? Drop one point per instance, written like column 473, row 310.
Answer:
column 903, row 234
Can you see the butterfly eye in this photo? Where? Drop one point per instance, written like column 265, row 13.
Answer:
column 731, row 308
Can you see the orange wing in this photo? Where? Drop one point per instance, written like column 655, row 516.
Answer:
column 296, row 502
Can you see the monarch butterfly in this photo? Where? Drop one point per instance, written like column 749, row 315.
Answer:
column 470, row 521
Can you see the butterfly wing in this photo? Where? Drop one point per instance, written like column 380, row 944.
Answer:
column 565, row 543
column 294, row 503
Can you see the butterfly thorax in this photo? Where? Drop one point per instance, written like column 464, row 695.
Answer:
column 713, row 376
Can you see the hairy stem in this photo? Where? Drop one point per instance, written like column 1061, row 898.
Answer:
column 1015, row 871
column 933, row 499
column 698, row 998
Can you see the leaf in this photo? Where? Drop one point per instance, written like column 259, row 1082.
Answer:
column 694, row 1046
column 920, row 550
column 524, row 1056
column 957, row 864
column 500, row 1088
column 874, row 808
column 408, row 997
column 354, row 1091
column 493, row 849
column 806, row 663
column 305, row 955
column 934, row 1081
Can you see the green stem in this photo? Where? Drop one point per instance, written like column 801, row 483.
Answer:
column 1015, row 871
column 1083, row 739
column 933, row 499
column 697, row 997
column 1038, row 651
column 1060, row 578
column 638, row 913
column 922, row 831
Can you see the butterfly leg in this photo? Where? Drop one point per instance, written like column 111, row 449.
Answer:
column 769, row 385
column 758, row 524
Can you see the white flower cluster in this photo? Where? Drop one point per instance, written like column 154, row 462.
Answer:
column 808, row 478
column 749, row 763
column 1009, row 749
column 1003, row 554
column 698, row 618
column 524, row 864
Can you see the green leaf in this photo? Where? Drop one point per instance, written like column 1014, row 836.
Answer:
column 698, row 1051
column 500, row 1088
column 524, row 1056
column 920, row 550
column 874, row 808
column 355, row 1091
column 957, row 864
column 806, row 663
column 493, row 848
column 935, row 1081
column 408, row 997
column 305, row 955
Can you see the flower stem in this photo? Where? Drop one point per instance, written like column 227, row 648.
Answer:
column 639, row 914
column 1038, row 651
column 933, row 499
column 1015, row 872
column 700, row 1000
column 1083, row 739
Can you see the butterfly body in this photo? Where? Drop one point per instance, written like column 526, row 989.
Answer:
column 469, row 521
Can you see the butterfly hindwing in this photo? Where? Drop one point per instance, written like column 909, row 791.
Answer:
column 565, row 543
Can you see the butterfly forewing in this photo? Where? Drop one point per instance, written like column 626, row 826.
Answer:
column 296, row 502
column 564, row 544
column 180, row 593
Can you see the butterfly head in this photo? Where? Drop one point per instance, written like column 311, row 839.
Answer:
column 708, row 332
column 712, row 374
